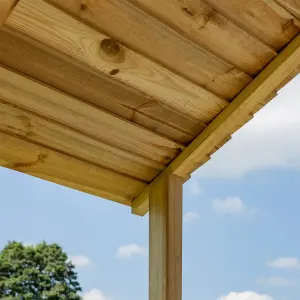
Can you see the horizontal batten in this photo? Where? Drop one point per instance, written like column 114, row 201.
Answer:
column 211, row 30
column 49, row 25
column 293, row 6
column 16, row 121
column 258, row 19
column 69, row 111
column 64, row 73
column 236, row 114
column 134, row 27
column 39, row 161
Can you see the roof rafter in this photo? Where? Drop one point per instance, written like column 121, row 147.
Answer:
column 236, row 114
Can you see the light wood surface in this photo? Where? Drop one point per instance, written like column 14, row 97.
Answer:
column 237, row 113
column 141, row 88
column 283, row 12
column 60, row 71
column 124, row 99
column 72, row 113
column 165, row 239
column 259, row 19
column 31, row 127
column 256, row 92
column 135, row 28
column 38, row 19
column 6, row 7
column 292, row 5
column 212, row 31
column 45, row 163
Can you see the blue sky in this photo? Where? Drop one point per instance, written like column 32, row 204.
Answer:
column 241, row 212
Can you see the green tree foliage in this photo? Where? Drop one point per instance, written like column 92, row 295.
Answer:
column 37, row 272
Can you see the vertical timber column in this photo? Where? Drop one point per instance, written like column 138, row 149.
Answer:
column 165, row 213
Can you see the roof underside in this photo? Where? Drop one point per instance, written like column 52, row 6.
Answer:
column 102, row 96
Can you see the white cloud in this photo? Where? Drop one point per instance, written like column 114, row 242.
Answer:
column 94, row 294
column 276, row 281
column 80, row 261
column 271, row 139
column 128, row 251
column 190, row 216
column 245, row 296
column 194, row 187
column 285, row 263
column 229, row 205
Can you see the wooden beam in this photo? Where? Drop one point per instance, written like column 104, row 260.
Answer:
column 41, row 62
column 29, row 126
column 212, row 31
column 165, row 269
column 237, row 113
column 100, row 53
column 282, row 11
column 258, row 19
column 153, row 38
column 88, row 119
column 291, row 5
column 46, row 163
column 6, row 7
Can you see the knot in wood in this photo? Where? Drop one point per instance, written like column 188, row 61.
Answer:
column 110, row 47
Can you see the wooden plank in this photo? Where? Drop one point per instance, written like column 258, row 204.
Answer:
column 282, row 11
column 140, row 205
column 73, row 113
column 165, row 239
column 42, row 62
column 18, row 122
column 263, row 85
column 6, row 7
column 45, row 163
column 158, row 41
column 39, row 20
column 212, row 31
column 291, row 5
column 259, row 19
column 233, row 116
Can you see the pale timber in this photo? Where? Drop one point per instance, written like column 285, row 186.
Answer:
column 124, row 99
column 233, row 117
column 39, row 20
column 165, row 239
column 6, row 7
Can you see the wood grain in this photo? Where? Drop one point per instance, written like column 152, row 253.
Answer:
column 235, row 115
column 16, row 121
column 84, row 44
column 135, row 28
column 165, row 239
column 259, row 19
column 62, row 72
column 39, row 161
column 6, row 7
column 239, row 110
column 291, row 5
column 212, row 31
column 282, row 11
column 71, row 112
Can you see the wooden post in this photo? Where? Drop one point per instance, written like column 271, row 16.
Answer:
column 6, row 7
column 165, row 270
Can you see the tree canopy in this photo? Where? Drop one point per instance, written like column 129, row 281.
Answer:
column 37, row 272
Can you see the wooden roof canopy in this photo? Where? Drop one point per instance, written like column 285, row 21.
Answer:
column 107, row 96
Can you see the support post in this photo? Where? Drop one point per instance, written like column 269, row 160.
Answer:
column 165, row 217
